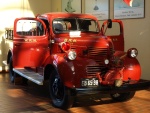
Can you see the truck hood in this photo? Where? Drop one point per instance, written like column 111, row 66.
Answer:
column 89, row 45
column 86, row 41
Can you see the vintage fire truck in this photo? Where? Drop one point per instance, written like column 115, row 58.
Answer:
column 73, row 52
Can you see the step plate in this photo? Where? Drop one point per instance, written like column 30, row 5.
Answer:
column 30, row 75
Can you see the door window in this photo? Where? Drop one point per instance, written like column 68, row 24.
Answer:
column 29, row 28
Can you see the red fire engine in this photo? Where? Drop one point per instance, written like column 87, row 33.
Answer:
column 75, row 55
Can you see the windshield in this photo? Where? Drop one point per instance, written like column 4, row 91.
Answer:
column 64, row 25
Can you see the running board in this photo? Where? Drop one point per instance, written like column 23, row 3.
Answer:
column 30, row 75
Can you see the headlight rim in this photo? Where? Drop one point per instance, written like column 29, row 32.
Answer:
column 132, row 53
column 72, row 55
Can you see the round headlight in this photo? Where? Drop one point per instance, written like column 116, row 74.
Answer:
column 132, row 52
column 72, row 55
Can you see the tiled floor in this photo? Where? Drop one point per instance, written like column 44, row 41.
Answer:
column 35, row 99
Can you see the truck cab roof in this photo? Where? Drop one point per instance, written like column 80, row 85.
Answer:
column 63, row 15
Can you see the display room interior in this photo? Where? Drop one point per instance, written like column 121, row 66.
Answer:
column 74, row 56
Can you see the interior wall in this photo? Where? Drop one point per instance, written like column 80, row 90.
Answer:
column 11, row 9
column 40, row 6
column 56, row 5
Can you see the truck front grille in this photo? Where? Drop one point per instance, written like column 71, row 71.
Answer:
column 99, row 54
column 97, row 51
column 92, row 70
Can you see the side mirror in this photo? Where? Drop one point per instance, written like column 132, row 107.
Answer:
column 105, row 25
column 109, row 23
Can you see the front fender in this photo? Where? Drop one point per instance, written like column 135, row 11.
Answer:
column 71, row 72
column 64, row 69
column 132, row 69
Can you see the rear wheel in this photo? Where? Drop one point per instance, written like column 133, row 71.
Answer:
column 24, row 81
column 14, row 75
column 11, row 72
column 60, row 95
column 122, row 96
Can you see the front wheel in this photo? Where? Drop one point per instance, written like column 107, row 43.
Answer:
column 60, row 95
column 122, row 96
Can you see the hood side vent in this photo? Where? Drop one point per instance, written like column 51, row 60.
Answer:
column 97, row 51
column 92, row 70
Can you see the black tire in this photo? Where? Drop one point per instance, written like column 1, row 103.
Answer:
column 122, row 96
column 14, row 75
column 24, row 81
column 11, row 72
column 60, row 95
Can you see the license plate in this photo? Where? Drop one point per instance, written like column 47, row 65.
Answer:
column 89, row 82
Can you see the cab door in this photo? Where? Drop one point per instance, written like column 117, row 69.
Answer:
column 30, row 42
column 116, row 33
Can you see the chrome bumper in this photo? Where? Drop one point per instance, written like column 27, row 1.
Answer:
column 141, row 85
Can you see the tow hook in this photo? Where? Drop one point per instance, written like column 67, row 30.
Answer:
column 119, row 82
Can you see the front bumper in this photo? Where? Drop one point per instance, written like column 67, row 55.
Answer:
column 141, row 85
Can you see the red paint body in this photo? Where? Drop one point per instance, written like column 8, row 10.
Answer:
column 92, row 49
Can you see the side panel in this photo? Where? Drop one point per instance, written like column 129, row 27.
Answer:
column 30, row 43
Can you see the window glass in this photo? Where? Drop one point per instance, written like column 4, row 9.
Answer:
column 62, row 25
column 29, row 28
column 87, row 25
